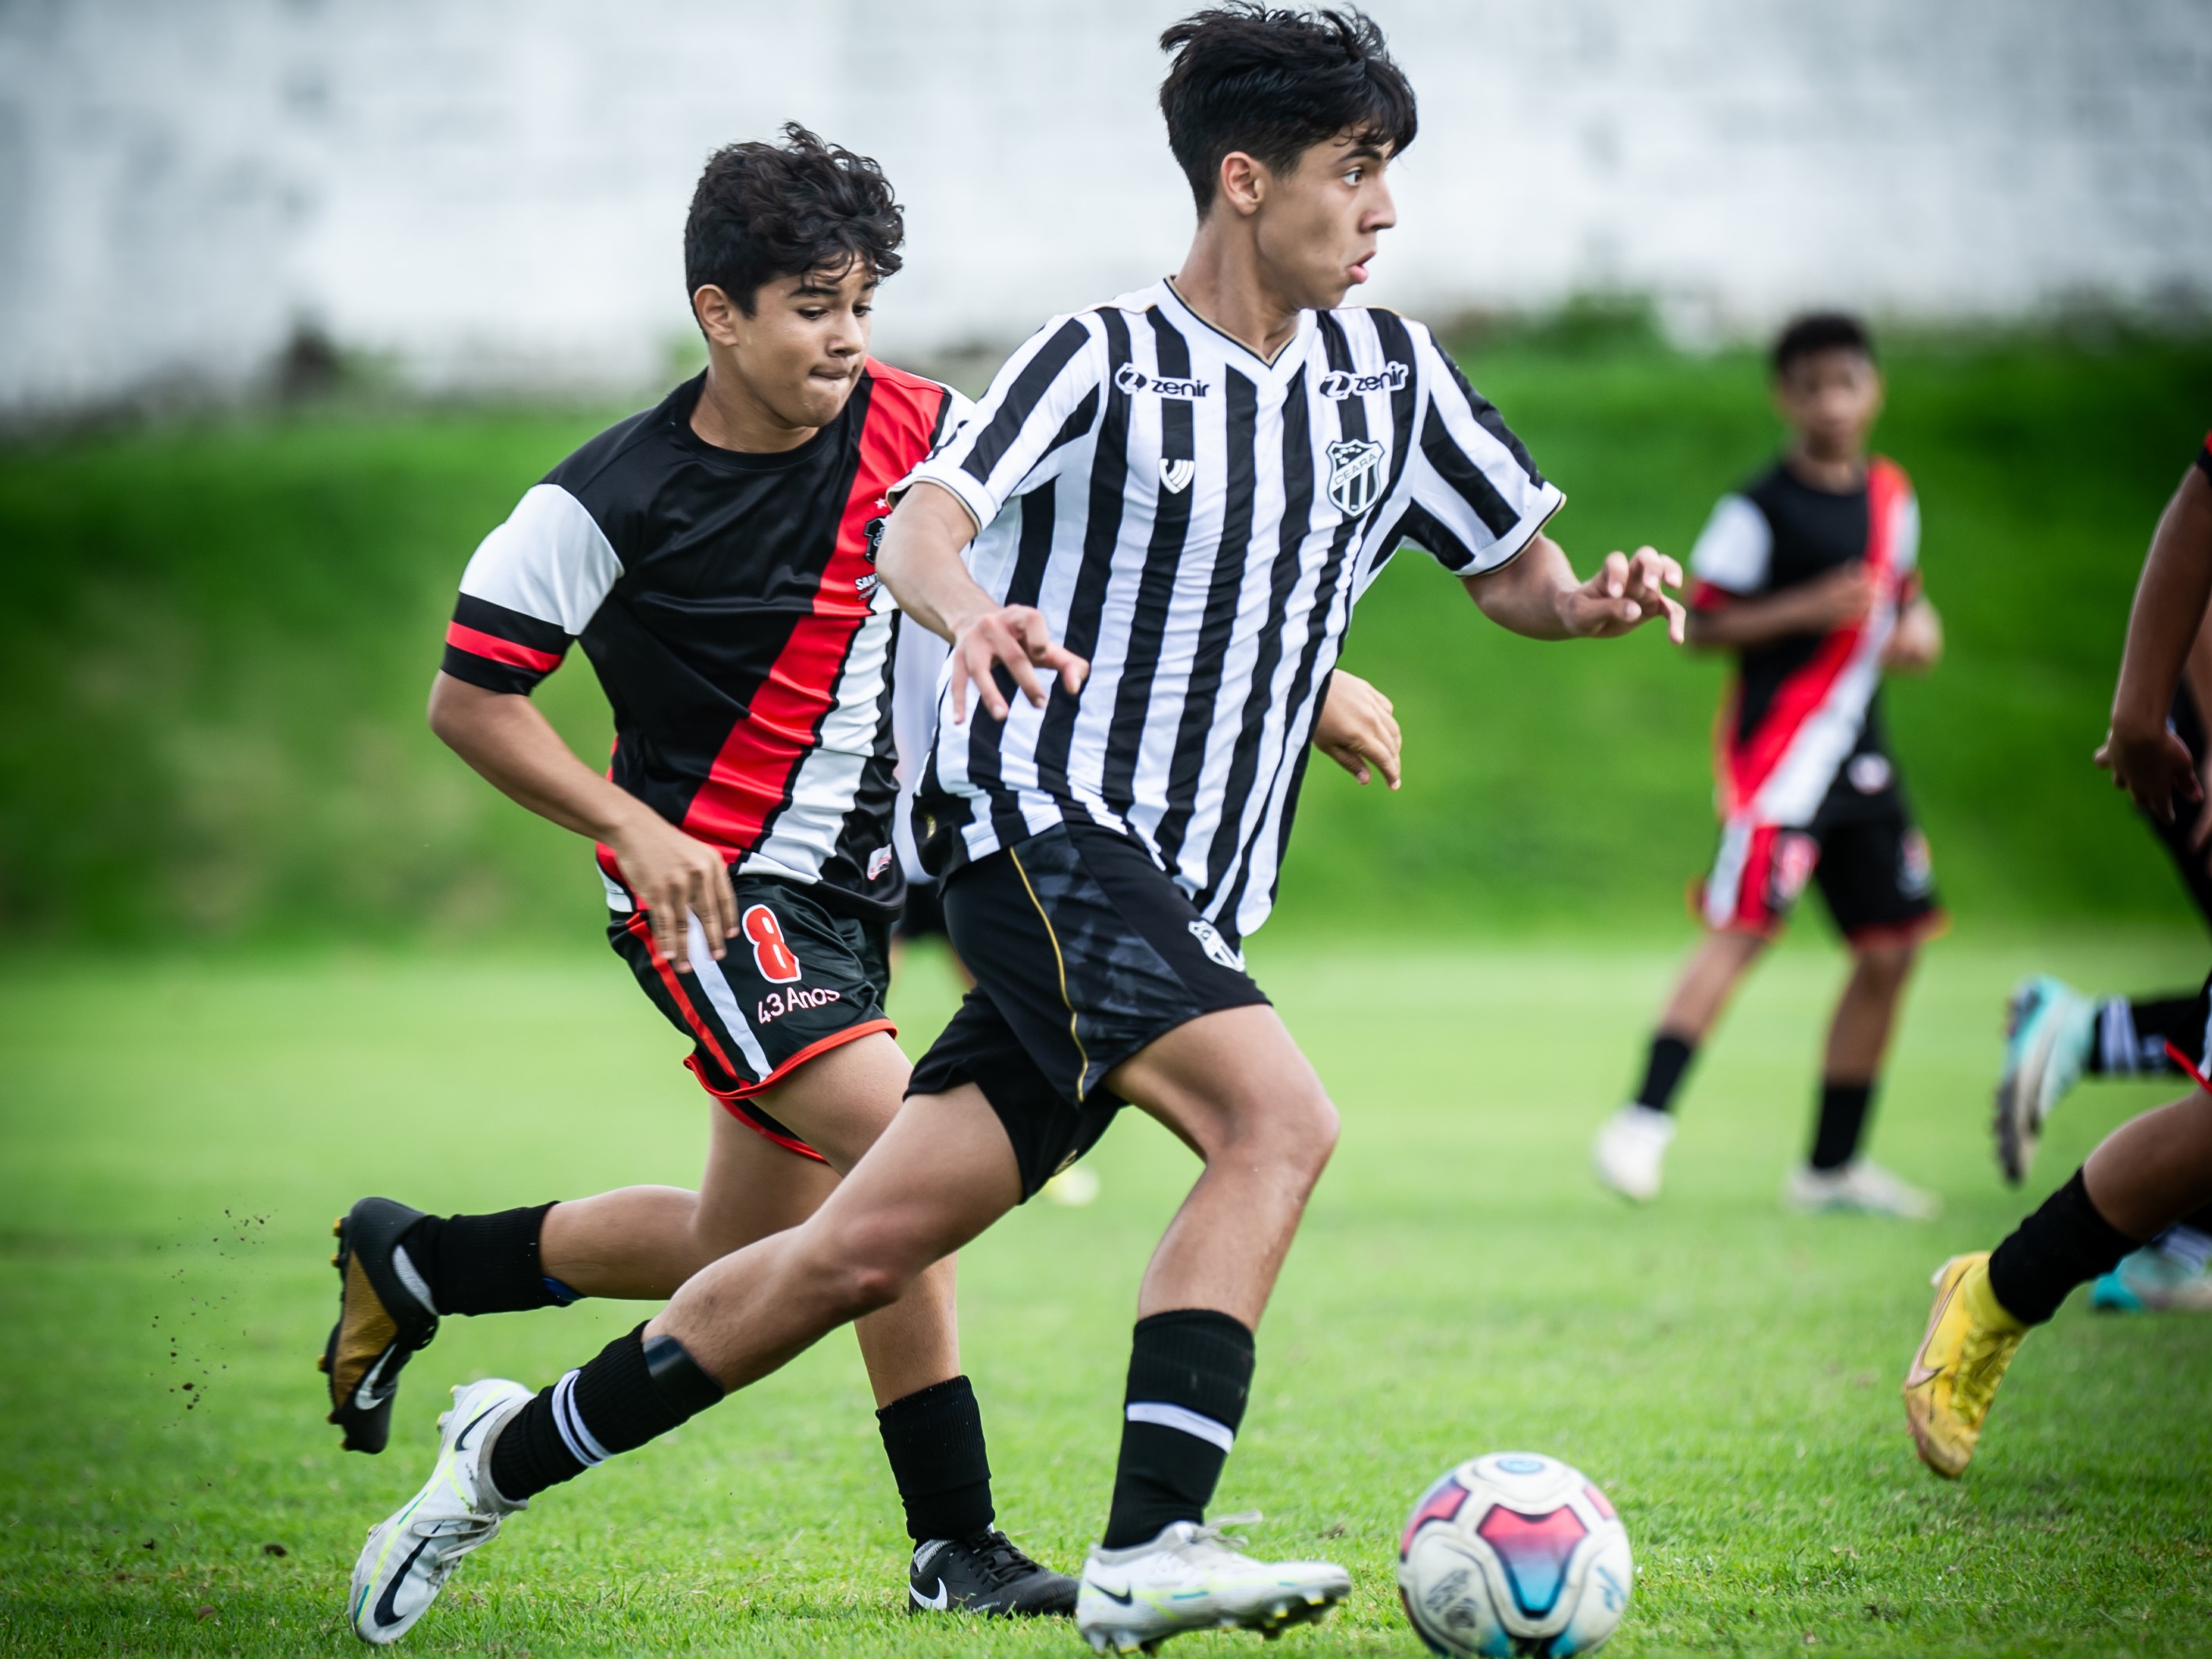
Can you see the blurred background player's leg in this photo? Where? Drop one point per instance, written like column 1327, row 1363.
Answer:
column 1875, row 879
column 1738, row 903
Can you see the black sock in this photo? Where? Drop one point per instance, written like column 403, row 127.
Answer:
column 633, row 1392
column 934, row 1439
column 1843, row 1117
column 1663, row 1073
column 2132, row 1035
column 2064, row 1243
column 484, row 1264
column 1189, row 1372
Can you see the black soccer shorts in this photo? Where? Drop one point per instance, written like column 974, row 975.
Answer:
column 799, row 978
column 1084, row 951
column 1872, row 868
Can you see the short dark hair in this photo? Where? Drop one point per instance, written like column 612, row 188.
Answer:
column 763, row 211
column 1274, row 82
column 1818, row 332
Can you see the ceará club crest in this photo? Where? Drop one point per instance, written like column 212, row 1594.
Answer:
column 1355, row 475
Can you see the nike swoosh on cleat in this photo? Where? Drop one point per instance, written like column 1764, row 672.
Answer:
column 461, row 1442
column 385, row 1613
column 366, row 1397
column 1125, row 1598
column 938, row 1603
column 1921, row 1371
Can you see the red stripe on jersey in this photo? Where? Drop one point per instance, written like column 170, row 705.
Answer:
column 751, row 777
column 477, row 643
column 1745, row 767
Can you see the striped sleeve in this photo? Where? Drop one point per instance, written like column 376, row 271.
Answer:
column 529, row 589
column 1479, row 498
column 1047, row 396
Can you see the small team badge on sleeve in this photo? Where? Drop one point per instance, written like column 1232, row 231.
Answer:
column 1216, row 947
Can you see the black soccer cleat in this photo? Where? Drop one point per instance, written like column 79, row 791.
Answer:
column 384, row 1315
column 986, row 1573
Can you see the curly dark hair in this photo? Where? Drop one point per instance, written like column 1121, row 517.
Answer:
column 1818, row 332
column 1273, row 82
column 763, row 211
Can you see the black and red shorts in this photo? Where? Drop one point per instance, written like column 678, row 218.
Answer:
column 799, row 978
column 1084, row 951
column 1872, row 868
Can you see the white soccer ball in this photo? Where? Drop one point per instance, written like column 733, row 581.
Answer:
column 1514, row 1553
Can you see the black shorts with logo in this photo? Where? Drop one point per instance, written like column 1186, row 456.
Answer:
column 799, row 978
column 1084, row 951
column 1862, row 850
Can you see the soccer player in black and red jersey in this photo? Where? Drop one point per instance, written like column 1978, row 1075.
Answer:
column 1810, row 575
column 2152, row 1171
column 715, row 556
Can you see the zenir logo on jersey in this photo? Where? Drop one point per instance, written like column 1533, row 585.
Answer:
column 1355, row 475
column 1338, row 384
column 1132, row 379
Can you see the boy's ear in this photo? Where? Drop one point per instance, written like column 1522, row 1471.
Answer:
column 717, row 313
column 1242, row 184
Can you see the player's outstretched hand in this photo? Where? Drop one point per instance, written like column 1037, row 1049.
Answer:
column 1013, row 636
column 675, row 876
column 1625, row 593
column 2153, row 766
column 1356, row 725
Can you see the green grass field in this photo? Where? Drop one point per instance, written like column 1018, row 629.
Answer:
column 178, row 1136
column 218, row 639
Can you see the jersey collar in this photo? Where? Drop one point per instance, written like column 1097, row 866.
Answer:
column 1287, row 361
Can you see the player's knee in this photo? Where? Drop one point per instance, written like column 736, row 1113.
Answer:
column 868, row 1266
column 1296, row 1132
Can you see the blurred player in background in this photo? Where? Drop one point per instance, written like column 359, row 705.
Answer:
column 1810, row 575
column 2054, row 1037
column 1174, row 499
column 2153, row 1169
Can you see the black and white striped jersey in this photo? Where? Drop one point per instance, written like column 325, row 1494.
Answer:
column 1198, row 524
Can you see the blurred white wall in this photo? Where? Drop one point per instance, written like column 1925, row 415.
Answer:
column 492, row 193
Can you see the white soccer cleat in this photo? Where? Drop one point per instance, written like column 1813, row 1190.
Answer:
column 1189, row 1577
column 410, row 1555
column 1862, row 1187
column 1629, row 1151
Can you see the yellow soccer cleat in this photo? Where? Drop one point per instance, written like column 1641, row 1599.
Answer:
column 1971, row 1340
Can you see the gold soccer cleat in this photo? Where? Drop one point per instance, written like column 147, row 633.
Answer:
column 1953, row 1378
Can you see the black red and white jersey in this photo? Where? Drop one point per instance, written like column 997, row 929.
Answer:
column 1804, row 709
column 730, row 606
column 1197, row 522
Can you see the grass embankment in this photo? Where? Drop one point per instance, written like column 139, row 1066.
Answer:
column 216, row 643
column 178, row 1139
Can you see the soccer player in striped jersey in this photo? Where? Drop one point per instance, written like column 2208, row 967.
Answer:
column 716, row 557
column 2151, row 1171
column 2056, row 1037
column 1810, row 575
column 1174, row 500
